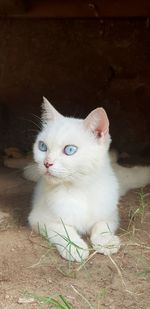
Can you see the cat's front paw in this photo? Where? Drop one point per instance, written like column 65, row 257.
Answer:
column 106, row 243
column 74, row 251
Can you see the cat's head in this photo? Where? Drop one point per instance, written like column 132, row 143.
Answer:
column 68, row 149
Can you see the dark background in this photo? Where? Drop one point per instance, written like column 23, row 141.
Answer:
column 78, row 64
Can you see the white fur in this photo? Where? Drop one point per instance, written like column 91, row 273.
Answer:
column 79, row 194
column 31, row 172
column 131, row 177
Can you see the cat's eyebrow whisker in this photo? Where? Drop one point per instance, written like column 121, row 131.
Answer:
column 36, row 116
column 31, row 121
column 37, row 125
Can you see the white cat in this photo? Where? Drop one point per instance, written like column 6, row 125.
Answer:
column 77, row 191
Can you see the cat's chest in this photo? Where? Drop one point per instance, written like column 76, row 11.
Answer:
column 74, row 206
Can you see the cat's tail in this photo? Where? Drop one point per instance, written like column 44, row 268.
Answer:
column 31, row 172
column 131, row 177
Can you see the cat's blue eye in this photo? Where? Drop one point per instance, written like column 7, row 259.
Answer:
column 42, row 146
column 70, row 150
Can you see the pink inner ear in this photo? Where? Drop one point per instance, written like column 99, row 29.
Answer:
column 98, row 122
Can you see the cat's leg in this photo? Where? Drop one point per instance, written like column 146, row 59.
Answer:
column 68, row 242
column 103, row 238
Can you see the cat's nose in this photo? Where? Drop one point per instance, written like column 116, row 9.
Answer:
column 47, row 164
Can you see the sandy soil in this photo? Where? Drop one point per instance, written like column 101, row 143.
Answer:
column 30, row 268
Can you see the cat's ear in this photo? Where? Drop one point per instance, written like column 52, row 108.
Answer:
column 49, row 113
column 97, row 121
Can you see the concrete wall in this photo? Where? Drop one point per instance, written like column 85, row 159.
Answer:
column 78, row 65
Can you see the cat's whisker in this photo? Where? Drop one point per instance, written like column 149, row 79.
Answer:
column 37, row 125
column 31, row 121
column 31, row 165
column 36, row 116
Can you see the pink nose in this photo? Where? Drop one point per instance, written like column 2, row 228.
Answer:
column 47, row 164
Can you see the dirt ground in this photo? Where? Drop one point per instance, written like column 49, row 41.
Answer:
column 30, row 268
